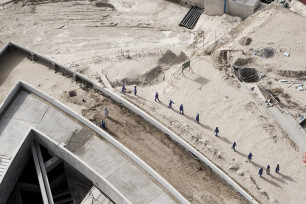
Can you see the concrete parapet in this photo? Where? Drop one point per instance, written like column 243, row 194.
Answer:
column 9, row 98
column 81, row 166
column 144, row 115
column 108, row 137
column 4, row 48
column 12, row 173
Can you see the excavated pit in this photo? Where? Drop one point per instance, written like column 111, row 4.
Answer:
column 247, row 74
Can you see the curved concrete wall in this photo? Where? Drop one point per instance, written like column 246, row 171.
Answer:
column 149, row 119
column 109, row 138
column 16, row 166
column 180, row 141
column 81, row 166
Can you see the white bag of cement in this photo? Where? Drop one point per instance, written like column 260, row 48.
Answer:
column 300, row 88
column 287, row 54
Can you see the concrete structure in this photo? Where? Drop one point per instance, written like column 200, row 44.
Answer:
column 5, row 1
column 241, row 8
column 95, row 196
column 114, row 174
column 199, row 3
column 83, row 79
column 214, row 7
column 295, row 131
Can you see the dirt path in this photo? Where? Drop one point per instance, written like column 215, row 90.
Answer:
column 194, row 180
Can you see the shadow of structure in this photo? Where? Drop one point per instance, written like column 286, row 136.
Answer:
column 8, row 62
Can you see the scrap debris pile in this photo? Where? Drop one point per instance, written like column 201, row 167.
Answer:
column 299, row 85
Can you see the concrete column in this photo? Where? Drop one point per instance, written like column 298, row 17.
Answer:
column 39, row 175
column 44, row 173
column 52, row 163
column 18, row 194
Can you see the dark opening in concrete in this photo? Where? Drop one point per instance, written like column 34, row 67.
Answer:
column 247, row 74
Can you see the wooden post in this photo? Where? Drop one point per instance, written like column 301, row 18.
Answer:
column 32, row 57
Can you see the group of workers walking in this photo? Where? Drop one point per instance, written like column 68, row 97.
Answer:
column 268, row 170
column 103, row 124
column 123, row 89
column 261, row 169
column 197, row 120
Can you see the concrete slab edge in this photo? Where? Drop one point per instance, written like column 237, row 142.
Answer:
column 7, row 182
column 9, row 97
column 176, row 138
column 109, row 138
column 107, row 187
column 7, row 2
column 158, row 125
column 99, row 181
column 4, row 48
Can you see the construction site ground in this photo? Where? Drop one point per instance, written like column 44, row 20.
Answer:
column 192, row 179
column 140, row 44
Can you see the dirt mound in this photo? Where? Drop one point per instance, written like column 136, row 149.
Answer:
column 241, row 62
column 265, row 52
column 104, row 3
column 171, row 58
column 245, row 41
column 153, row 75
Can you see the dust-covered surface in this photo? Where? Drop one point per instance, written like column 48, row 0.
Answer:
column 132, row 43
column 277, row 50
column 177, row 166
column 191, row 178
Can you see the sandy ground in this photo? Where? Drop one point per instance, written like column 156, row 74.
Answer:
column 194, row 180
column 274, row 30
column 221, row 102
column 298, row 7
column 133, row 43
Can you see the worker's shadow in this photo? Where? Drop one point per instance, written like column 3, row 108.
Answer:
column 246, row 156
column 255, row 164
column 287, row 177
column 279, row 179
column 112, row 133
column 113, row 120
column 272, row 182
column 135, row 97
column 224, row 139
column 202, row 125
column 241, row 154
